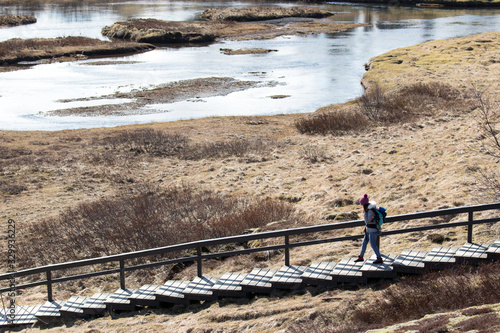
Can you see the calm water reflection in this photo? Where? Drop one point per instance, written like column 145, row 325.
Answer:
column 314, row 71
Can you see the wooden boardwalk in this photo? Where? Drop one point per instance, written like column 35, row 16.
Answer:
column 259, row 280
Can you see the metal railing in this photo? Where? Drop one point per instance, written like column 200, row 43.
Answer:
column 286, row 245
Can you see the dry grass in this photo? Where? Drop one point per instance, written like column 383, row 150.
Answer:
column 17, row 50
column 13, row 20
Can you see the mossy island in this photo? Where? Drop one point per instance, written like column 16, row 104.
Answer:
column 15, row 20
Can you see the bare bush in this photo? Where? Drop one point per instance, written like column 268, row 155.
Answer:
column 162, row 144
column 377, row 106
column 11, row 189
column 487, row 116
column 332, row 123
column 152, row 218
column 313, row 154
column 222, row 149
column 150, row 141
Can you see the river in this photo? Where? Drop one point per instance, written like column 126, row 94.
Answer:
column 309, row 71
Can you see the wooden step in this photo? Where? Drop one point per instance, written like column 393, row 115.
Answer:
column 410, row 262
column 120, row 301
column 494, row 251
column 49, row 311
column 370, row 270
column 95, row 304
column 348, row 271
column 471, row 253
column 73, row 307
column 200, row 289
column 19, row 315
column 171, row 292
column 319, row 273
column 145, row 296
column 440, row 257
column 288, row 277
column 258, row 281
column 229, row 285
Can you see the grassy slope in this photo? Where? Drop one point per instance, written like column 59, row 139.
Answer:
column 425, row 165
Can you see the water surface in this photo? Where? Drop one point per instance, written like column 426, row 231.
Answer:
column 313, row 71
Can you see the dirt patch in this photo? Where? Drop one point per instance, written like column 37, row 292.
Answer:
column 15, row 51
column 246, row 51
column 14, row 20
column 194, row 90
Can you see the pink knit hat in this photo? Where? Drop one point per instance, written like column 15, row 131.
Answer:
column 364, row 200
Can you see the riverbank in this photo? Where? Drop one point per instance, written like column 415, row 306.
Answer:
column 14, row 52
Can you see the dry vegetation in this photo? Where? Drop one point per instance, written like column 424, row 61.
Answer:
column 231, row 23
column 429, row 149
column 261, row 13
column 17, row 50
column 13, row 20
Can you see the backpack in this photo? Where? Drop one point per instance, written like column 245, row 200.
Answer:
column 380, row 214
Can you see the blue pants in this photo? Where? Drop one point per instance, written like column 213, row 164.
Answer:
column 372, row 237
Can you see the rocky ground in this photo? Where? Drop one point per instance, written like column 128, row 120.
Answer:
column 426, row 164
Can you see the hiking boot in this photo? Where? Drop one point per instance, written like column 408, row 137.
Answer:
column 359, row 259
column 378, row 261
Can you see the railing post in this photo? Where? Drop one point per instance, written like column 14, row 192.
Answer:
column 469, row 227
column 122, row 274
column 49, row 286
column 287, row 250
column 198, row 259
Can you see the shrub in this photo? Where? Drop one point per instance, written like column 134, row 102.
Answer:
column 407, row 103
column 11, row 189
column 162, row 144
column 148, row 141
column 377, row 106
column 337, row 122
column 313, row 154
column 152, row 218
column 223, row 149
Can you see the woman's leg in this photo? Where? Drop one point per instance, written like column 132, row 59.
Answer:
column 373, row 243
column 363, row 246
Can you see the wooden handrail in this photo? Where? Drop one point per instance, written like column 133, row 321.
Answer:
column 286, row 245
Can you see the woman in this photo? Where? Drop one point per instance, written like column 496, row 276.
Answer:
column 371, row 231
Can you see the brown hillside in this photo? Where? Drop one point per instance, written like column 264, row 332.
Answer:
column 428, row 163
